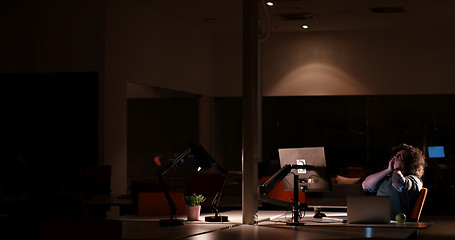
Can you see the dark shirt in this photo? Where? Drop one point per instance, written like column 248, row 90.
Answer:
column 403, row 197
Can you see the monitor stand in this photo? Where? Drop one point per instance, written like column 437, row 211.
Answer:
column 296, row 205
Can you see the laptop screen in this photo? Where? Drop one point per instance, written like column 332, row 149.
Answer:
column 368, row 209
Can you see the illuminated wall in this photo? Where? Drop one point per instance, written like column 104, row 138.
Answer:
column 359, row 63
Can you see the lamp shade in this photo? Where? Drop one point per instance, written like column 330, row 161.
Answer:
column 202, row 157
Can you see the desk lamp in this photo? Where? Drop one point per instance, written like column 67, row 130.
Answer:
column 203, row 160
column 274, row 180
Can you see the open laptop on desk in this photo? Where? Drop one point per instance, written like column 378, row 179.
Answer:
column 368, row 209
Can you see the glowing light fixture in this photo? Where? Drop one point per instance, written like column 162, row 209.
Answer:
column 305, row 26
column 269, row 3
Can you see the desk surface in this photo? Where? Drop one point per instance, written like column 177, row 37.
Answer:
column 264, row 218
column 234, row 217
column 251, row 232
column 152, row 230
column 335, row 219
column 270, row 226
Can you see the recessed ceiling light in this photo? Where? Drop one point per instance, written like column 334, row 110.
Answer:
column 305, row 26
column 269, row 3
column 388, row 10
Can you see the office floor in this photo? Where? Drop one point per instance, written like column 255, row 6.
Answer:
column 442, row 228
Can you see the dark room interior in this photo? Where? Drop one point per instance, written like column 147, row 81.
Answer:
column 98, row 96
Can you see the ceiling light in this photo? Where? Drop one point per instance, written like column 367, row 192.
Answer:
column 388, row 10
column 305, row 26
column 269, row 3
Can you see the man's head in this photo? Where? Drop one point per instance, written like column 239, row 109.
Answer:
column 409, row 160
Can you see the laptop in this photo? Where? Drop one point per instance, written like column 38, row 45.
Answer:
column 368, row 209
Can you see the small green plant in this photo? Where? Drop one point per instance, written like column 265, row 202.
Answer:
column 194, row 200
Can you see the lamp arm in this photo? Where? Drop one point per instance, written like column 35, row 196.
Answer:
column 279, row 175
column 275, row 179
column 170, row 164
column 171, row 202
column 160, row 172
column 217, row 197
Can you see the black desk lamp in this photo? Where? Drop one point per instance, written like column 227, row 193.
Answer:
column 274, row 180
column 203, row 160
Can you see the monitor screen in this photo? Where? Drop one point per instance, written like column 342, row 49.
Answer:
column 315, row 180
column 436, row 152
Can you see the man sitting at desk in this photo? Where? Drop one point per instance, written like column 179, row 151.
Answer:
column 401, row 180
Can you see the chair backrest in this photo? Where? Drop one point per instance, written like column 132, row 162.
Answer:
column 207, row 184
column 418, row 205
column 144, row 186
column 279, row 193
column 155, row 203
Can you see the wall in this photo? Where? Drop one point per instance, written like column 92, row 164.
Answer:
column 151, row 49
column 146, row 48
column 123, row 41
column 228, row 64
column 127, row 41
column 51, row 36
column 59, row 38
column 359, row 63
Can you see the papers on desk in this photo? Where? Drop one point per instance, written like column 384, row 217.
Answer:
column 308, row 219
column 311, row 220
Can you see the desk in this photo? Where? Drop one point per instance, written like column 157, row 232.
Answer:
column 132, row 230
column 235, row 217
column 251, row 232
column 334, row 219
column 147, row 227
column 270, row 226
column 107, row 205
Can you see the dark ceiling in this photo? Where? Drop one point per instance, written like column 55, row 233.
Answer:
column 320, row 15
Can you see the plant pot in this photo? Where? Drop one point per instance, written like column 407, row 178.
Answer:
column 193, row 213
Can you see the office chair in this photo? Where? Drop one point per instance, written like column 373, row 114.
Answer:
column 155, row 203
column 138, row 186
column 207, row 184
column 418, row 205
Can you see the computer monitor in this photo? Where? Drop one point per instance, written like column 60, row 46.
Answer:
column 315, row 178
column 436, row 152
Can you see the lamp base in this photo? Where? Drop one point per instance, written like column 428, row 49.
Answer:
column 171, row 222
column 295, row 223
column 217, row 219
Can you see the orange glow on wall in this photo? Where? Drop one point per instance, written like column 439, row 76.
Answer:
column 317, row 79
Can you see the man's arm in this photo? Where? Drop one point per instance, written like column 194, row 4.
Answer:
column 374, row 178
column 397, row 180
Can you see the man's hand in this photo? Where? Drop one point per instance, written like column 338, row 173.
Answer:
column 391, row 165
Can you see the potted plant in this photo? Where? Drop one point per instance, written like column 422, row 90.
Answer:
column 193, row 206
